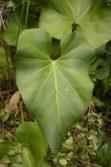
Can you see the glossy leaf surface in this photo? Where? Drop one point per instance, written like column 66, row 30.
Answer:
column 57, row 92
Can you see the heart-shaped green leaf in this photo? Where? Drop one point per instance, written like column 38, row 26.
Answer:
column 31, row 137
column 91, row 17
column 57, row 92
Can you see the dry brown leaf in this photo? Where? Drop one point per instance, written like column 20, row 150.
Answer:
column 12, row 105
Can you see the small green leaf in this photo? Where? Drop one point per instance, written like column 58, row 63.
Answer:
column 10, row 4
column 5, row 147
column 97, row 102
column 69, row 141
column 12, row 31
column 100, row 69
column 31, row 137
column 19, row 158
column 16, row 25
column 5, row 159
column 63, row 162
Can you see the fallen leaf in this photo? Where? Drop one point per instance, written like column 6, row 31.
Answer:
column 12, row 105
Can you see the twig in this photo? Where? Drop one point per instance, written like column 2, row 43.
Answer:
column 88, row 163
column 21, row 111
column 1, row 19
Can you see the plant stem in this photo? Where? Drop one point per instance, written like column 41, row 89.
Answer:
column 8, row 66
column 22, row 116
column 27, row 13
column 23, row 8
column 6, row 53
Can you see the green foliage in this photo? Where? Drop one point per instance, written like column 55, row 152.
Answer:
column 53, row 75
column 5, row 147
column 30, row 136
column 4, row 60
column 30, row 150
column 81, row 144
column 103, row 156
column 18, row 21
column 15, row 26
column 11, row 154
column 28, row 158
column 91, row 17
column 57, row 81
column 100, row 69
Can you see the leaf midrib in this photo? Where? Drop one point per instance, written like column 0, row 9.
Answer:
column 57, row 102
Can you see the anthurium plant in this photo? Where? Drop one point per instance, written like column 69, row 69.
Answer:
column 53, row 64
